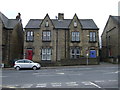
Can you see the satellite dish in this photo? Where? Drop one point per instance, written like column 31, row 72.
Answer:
column 56, row 17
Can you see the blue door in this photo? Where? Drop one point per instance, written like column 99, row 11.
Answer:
column 92, row 53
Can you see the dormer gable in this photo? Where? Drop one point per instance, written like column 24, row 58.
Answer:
column 75, row 23
column 46, row 22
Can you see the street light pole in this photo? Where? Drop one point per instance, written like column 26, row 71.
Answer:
column 87, row 50
column 87, row 59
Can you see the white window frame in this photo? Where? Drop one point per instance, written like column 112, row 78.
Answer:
column 75, row 54
column 46, row 35
column 29, row 36
column 76, row 36
column 46, row 53
column 75, row 24
column 92, row 36
column 46, row 23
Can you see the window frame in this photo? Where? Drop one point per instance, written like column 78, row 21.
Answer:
column 92, row 37
column 75, row 24
column 75, row 55
column 46, row 35
column 46, row 23
column 29, row 36
column 75, row 36
column 47, row 54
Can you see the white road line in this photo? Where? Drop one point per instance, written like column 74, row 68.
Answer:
column 111, row 72
column 27, row 86
column 112, row 80
column 56, row 84
column 97, row 81
column 60, row 73
column 86, row 83
column 95, row 85
column 41, row 85
column 3, row 76
column 90, row 83
column 72, row 84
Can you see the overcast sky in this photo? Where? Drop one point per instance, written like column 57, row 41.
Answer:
column 98, row 10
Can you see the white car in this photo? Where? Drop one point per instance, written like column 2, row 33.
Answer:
column 25, row 63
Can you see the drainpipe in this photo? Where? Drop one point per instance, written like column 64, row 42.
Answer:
column 56, row 45
column 65, row 43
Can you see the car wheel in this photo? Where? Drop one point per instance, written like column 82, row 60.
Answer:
column 34, row 67
column 17, row 68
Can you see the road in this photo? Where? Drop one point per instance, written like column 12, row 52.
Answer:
column 91, row 76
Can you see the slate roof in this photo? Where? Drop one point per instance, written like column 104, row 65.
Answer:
column 116, row 18
column 8, row 23
column 62, row 24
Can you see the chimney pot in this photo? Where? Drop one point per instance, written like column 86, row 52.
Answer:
column 60, row 16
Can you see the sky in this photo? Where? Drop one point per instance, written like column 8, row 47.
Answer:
column 98, row 10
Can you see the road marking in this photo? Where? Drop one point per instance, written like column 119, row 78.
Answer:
column 95, row 85
column 86, row 83
column 72, row 84
column 99, row 81
column 60, row 73
column 3, row 76
column 112, row 80
column 90, row 83
column 27, row 86
column 8, row 86
column 41, row 85
column 111, row 72
column 56, row 84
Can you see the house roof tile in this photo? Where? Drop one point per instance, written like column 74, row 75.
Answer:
column 62, row 24
column 8, row 23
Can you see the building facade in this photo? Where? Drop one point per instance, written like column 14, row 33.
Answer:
column 110, row 40
column 12, row 39
column 67, row 41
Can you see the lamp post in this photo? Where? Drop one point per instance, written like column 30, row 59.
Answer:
column 87, row 58
column 87, row 50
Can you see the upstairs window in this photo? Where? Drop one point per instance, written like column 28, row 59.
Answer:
column 46, row 36
column 75, row 24
column 92, row 36
column 47, row 24
column 29, row 36
column 75, row 36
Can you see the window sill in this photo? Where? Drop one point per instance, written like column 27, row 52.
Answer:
column 92, row 41
column 75, row 41
column 46, row 41
column 29, row 41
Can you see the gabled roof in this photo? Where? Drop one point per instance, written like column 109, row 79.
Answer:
column 62, row 24
column 88, row 24
column 8, row 23
column 34, row 23
column 116, row 18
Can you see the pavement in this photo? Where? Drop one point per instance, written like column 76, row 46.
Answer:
column 55, row 67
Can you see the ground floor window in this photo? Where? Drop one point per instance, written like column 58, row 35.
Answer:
column 75, row 53
column 92, row 53
column 46, row 54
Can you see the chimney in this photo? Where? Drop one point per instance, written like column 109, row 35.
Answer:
column 60, row 16
column 18, row 17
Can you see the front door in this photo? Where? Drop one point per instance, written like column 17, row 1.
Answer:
column 92, row 53
column 29, row 54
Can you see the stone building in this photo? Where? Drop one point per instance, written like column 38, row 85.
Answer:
column 63, row 41
column 110, row 46
column 12, row 39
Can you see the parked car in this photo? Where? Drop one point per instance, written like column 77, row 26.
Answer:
column 25, row 63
